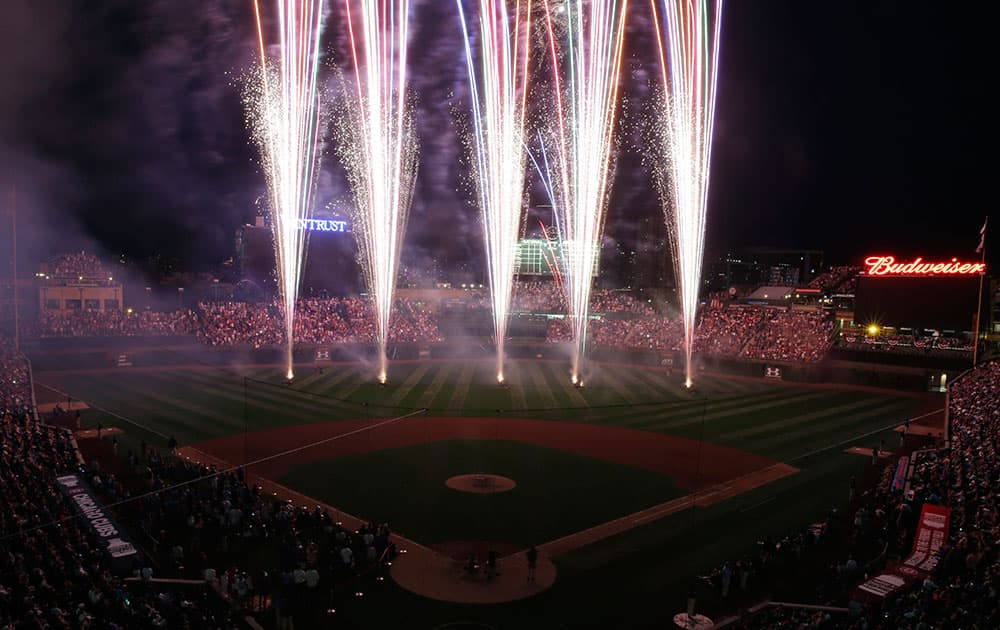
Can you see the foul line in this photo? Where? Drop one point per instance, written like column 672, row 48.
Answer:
column 858, row 437
column 107, row 411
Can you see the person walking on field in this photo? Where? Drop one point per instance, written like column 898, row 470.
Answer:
column 532, row 555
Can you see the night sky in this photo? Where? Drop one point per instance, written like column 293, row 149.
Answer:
column 848, row 127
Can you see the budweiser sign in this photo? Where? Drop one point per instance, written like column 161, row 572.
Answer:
column 887, row 266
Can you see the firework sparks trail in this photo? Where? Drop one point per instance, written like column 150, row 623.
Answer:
column 552, row 259
column 498, row 92
column 284, row 112
column 379, row 148
column 688, row 44
column 585, row 41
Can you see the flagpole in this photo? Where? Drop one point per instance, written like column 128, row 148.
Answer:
column 979, row 302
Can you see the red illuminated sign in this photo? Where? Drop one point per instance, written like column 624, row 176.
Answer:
column 887, row 266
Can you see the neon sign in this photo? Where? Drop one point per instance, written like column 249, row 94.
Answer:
column 887, row 266
column 322, row 225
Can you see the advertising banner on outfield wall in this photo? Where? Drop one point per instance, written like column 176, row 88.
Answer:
column 88, row 507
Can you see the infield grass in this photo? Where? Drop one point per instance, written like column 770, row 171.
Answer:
column 558, row 492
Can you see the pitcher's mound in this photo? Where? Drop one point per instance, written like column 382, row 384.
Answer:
column 480, row 483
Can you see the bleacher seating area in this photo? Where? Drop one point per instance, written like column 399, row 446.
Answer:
column 623, row 322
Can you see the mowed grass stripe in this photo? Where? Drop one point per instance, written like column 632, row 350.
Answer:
column 643, row 413
column 439, row 404
column 348, row 387
column 279, row 405
column 612, row 378
column 743, row 409
column 675, row 388
column 461, row 390
column 305, row 382
column 412, row 380
column 715, row 385
column 865, row 433
column 755, row 418
column 276, row 399
column 845, row 434
column 190, row 403
column 563, row 386
column 695, row 407
column 159, row 412
column 653, row 386
column 441, row 374
column 219, row 394
column 539, row 386
column 758, row 417
column 516, row 382
column 777, row 425
column 332, row 383
column 840, row 426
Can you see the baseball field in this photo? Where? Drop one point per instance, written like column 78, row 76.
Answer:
column 629, row 485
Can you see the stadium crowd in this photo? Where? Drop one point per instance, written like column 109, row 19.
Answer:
column 200, row 522
column 334, row 320
column 207, row 522
column 114, row 323
column 622, row 321
column 961, row 591
column 54, row 572
column 800, row 336
column 75, row 266
column 836, row 280
column 727, row 331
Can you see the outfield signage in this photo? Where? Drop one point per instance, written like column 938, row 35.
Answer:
column 322, row 225
column 889, row 266
column 88, row 507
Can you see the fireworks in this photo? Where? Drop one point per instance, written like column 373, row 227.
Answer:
column 498, row 93
column 284, row 112
column 688, row 38
column 379, row 148
column 585, row 42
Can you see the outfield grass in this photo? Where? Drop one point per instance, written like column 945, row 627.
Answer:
column 772, row 419
column 558, row 492
column 809, row 427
